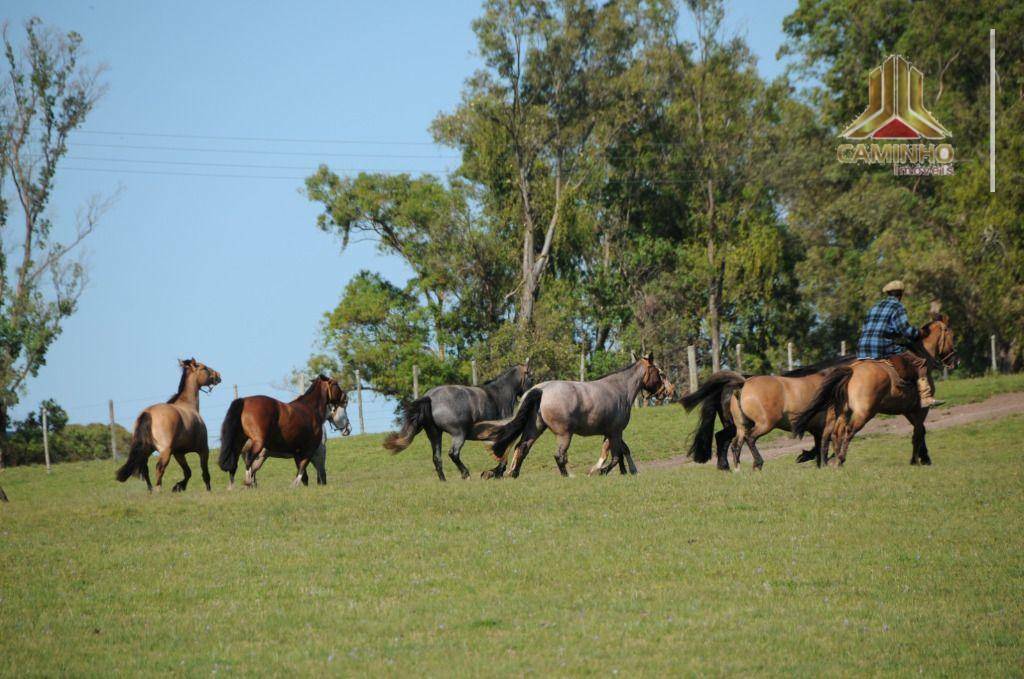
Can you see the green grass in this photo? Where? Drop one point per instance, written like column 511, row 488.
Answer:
column 877, row 568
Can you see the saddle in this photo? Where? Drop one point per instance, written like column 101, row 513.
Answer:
column 902, row 375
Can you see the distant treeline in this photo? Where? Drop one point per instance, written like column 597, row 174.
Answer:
column 622, row 188
column 68, row 442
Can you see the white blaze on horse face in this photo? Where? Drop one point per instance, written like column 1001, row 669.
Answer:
column 339, row 417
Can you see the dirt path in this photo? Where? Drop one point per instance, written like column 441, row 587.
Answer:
column 993, row 408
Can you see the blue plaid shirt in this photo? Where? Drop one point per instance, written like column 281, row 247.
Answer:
column 886, row 321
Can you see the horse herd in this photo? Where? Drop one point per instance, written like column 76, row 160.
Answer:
column 832, row 401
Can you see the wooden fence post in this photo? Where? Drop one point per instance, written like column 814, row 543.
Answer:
column 113, row 433
column 842, row 348
column 739, row 358
column 46, row 442
column 691, row 358
column 415, row 382
column 473, row 365
column 995, row 367
column 359, row 402
column 583, row 365
column 789, row 354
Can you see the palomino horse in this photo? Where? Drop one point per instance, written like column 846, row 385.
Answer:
column 173, row 428
column 337, row 417
column 601, row 407
column 256, row 425
column 456, row 409
column 750, row 407
column 851, row 395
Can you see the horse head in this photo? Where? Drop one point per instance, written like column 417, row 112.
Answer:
column 205, row 375
column 653, row 380
column 937, row 341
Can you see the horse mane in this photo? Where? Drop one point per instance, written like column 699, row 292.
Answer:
column 615, row 372
column 498, row 377
column 181, row 385
column 805, row 370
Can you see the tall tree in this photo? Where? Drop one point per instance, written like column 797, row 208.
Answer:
column 45, row 95
column 526, row 125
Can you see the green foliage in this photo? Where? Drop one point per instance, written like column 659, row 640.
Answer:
column 44, row 96
column 68, row 442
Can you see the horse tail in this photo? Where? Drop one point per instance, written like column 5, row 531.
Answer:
column 502, row 436
column 229, row 441
column 710, row 398
column 142, row 445
column 415, row 416
column 831, row 393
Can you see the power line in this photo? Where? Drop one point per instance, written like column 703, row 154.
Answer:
column 286, row 140
column 260, row 152
column 305, row 168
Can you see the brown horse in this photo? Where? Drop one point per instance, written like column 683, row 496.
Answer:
column 256, row 425
column 173, row 428
column 853, row 394
column 750, row 407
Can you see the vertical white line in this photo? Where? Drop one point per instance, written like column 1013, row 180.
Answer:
column 992, row 110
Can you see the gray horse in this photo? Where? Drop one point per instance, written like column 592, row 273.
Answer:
column 338, row 419
column 456, row 409
column 601, row 407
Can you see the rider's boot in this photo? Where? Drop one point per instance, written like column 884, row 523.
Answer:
column 924, row 390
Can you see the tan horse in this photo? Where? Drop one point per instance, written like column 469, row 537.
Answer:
column 750, row 407
column 173, row 428
column 853, row 394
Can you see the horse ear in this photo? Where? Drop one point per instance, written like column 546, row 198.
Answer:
column 649, row 356
column 527, row 364
column 632, row 355
column 944, row 318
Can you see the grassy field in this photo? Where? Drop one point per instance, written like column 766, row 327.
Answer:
column 877, row 568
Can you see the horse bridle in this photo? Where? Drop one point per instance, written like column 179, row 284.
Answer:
column 946, row 359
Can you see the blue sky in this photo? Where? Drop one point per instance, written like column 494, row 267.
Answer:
column 230, row 268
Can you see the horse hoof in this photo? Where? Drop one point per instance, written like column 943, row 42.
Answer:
column 177, row 488
column 487, row 474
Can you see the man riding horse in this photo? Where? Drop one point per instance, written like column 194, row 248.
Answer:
column 886, row 322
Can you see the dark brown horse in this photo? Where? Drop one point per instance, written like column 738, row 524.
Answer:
column 173, row 428
column 853, row 394
column 256, row 425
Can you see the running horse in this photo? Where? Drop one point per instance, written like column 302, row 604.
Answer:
column 853, row 394
column 338, row 419
column 256, row 425
column 601, row 407
column 458, row 410
column 173, row 428
column 750, row 407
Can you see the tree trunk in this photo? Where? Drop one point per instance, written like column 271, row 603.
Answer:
column 3, row 432
column 529, row 283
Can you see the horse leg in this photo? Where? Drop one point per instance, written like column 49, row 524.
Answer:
column 458, row 440
column 851, row 425
column 434, row 435
column 257, row 455
column 302, row 475
column 602, row 458
column 920, row 454
column 180, row 486
column 737, row 443
column 562, row 454
column 615, row 443
column 204, row 463
column 301, row 462
column 722, row 440
column 752, row 435
column 319, row 462
column 161, row 467
column 533, row 431
column 627, row 454
column 243, row 453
